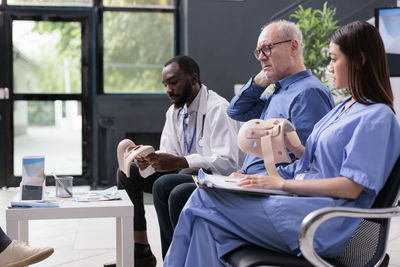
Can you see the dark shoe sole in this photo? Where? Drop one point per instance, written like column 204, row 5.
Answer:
column 142, row 262
column 146, row 262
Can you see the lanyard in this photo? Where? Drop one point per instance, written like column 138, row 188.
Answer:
column 188, row 148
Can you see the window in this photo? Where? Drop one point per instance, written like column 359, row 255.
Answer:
column 137, row 3
column 50, row 2
column 47, row 57
column 136, row 45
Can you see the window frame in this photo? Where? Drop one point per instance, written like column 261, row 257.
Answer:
column 99, row 32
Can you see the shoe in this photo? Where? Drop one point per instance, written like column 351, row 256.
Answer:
column 143, row 257
column 18, row 254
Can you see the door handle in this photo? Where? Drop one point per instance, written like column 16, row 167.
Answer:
column 4, row 93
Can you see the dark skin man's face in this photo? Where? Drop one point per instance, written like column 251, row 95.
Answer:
column 177, row 83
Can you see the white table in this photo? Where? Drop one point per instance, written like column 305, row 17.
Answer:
column 17, row 221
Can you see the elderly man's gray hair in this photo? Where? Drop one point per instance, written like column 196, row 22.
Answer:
column 287, row 30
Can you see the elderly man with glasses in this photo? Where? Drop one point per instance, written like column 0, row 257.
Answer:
column 301, row 98
column 282, row 89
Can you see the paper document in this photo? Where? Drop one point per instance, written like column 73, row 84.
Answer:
column 204, row 180
column 34, row 204
column 104, row 195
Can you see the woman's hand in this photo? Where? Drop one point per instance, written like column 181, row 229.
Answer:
column 261, row 181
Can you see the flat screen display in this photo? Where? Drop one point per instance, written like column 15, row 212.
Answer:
column 387, row 20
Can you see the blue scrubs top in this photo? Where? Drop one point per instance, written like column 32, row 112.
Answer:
column 301, row 98
column 361, row 143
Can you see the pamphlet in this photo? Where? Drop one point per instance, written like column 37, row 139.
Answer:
column 104, row 195
column 213, row 181
column 34, row 204
column 33, row 179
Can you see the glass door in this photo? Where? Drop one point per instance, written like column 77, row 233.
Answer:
column 49, row 90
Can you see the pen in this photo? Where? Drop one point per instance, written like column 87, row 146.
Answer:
column 62, row 185
column 232, row 180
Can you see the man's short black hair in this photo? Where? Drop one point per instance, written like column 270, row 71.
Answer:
column 187, row 64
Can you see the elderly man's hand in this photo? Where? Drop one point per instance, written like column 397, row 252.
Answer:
column 262, row 80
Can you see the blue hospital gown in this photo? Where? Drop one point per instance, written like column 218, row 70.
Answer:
column 361, row 143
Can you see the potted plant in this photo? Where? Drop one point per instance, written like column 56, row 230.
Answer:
column 317, row 25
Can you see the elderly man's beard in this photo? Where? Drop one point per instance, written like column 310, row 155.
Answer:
column 187, row 92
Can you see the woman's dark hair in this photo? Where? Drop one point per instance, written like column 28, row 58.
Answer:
column 187, row 64
column 369, row 77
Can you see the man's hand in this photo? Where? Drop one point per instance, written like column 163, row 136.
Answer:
column 262, row 80
column 141, row 162
column 164, row 162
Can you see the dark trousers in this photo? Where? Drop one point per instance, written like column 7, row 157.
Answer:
column 170, row 193
column 135, row 186
column 5, row 241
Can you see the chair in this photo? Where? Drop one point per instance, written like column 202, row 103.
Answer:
column 367, row 247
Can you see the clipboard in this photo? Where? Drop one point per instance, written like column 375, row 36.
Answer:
column 225, row 183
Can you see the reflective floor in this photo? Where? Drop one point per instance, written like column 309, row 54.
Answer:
column 80, row 242
column 91, row 242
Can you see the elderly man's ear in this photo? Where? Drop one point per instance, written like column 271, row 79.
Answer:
column 294, row 47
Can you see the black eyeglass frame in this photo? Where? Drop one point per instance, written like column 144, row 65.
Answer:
column 266, row 50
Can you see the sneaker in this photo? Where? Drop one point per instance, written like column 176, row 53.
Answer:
column 18, row 254
column 143, row 257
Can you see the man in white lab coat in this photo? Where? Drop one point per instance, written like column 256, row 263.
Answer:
column 197, row 134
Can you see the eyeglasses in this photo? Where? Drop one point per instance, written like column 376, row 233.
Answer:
column 266, row 49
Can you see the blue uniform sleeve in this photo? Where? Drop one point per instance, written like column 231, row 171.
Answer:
column 308, row 108
column 247, row 104
column 372, row 148
column 287, row 171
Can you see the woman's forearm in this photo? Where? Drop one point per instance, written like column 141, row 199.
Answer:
column 337, row 187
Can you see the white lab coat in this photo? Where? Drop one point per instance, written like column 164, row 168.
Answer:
column 216, row 136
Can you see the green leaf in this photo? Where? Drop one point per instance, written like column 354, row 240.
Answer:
column 317, row 25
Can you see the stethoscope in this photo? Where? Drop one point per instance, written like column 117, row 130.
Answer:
column 188, row 146
column 200, row 141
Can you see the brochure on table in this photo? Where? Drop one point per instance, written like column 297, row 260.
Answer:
column 32, row 184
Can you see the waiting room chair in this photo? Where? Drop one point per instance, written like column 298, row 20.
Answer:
column 367, row 247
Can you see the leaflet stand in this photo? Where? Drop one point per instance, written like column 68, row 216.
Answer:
column 32, row 186
column 32, row 192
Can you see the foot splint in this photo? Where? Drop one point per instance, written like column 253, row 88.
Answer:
column 127, row 151
column 266, row 140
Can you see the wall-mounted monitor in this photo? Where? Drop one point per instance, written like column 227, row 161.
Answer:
column 387, row 20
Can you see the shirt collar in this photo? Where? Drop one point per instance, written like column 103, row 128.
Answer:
column 287, row 81
column 194, row 106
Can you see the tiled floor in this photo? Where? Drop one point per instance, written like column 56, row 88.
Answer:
column 91, row 242
column 80, row 242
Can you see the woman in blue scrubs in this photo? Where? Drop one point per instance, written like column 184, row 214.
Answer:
column 346, row 162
